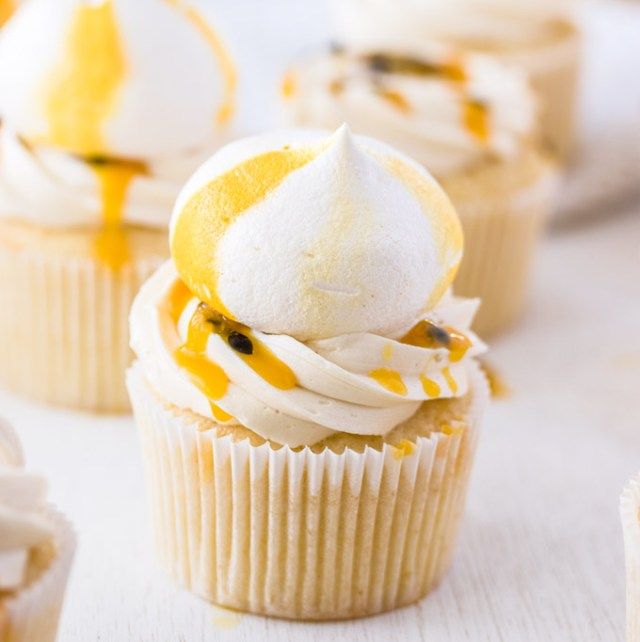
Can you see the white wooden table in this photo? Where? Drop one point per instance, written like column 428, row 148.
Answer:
column 540, row 557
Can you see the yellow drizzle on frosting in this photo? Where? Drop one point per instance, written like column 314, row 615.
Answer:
column 222, row 55
column 83, row 88
column 114, row 178
column 451, row 382
column 426, row 334
column 431, row 387
column 289, row 85
column 6, row 9
column 389, row 379
column 210, row 211
column 396, row 99
column 476, row 119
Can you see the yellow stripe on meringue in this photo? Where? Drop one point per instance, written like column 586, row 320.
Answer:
column 7, row 7
column 227, row 108
column 83, row 89
column 206, row 217
column 445, row 225
column 389, row 379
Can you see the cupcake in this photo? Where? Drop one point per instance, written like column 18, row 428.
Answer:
column 106, row 109
column 36, row 550
column 306, row 388
column 630, row 512
column 541, row 37
column 468, row 119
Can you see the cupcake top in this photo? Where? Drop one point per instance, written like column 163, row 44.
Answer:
column 488, row 25
column 107, row 107
column 22, row 524
column 308, row 290
column 446, row 109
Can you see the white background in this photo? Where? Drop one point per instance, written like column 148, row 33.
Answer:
column 540, row 556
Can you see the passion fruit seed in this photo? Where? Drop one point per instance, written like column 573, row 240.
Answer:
column 240, row 342
column 438, row 334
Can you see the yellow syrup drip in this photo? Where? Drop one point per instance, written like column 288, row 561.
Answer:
column 207, row 215
column 387, row 352
column 114, row 178
column 389, row 379
column 404, row 449
column 227, row 108
column 396, row 99
column 451, row 382
column 289, row 85
column 448, row 429
column 426, row 334
column 84, row 87
column 7, row 8
column 476, row 119
column 431, row 387
column 220, row 414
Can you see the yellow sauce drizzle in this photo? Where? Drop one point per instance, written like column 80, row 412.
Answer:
column 220, row 414
column 227, row 67
column 387, row 352
column 396, row 99
column 207, row 215
column 453, row 386
column 404, row 449
column 448, row 429
column 83, row 89
column 431, row 387
column 114, row 178
column 389, row 379
column 289, row 85
column 6, row 9
column 476, row 119
column 426, row 334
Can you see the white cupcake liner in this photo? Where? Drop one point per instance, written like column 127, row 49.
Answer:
column 501, row 237
column 299, row 534
column 32, row 615
column 64, row 330
column 630, row 513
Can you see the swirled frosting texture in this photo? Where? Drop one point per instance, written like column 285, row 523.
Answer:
column 445, row 109
column 485, row 24
column 145, row 86
column 307, row 291
column 22, row 525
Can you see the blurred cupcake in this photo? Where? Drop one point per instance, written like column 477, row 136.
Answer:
column 541, row 37
column 107, row 108
column 306, row 390
column 36, row 551
column 470, row 121
column 630, row 512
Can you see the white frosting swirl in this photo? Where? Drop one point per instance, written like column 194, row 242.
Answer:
column 446, row 110
column 154, row 91
column 22, row 525
column 335, row 391
column 485, row 24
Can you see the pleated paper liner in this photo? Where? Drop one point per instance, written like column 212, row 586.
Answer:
column 298, row 534
column 630, row 513
column 502, row 227
column 32, row 615
column 64, row 331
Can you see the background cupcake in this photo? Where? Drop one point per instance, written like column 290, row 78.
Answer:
column 541, row 37
column 308, row 397
column 36, row 550
column 106, row 109
column 469, row 120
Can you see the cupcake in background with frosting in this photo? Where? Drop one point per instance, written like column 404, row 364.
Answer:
column 541, row 37
column 106, row 109
column 36, row 550
column 306, row 387
column 472, row 122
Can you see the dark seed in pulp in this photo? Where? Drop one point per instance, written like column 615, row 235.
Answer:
column 240, row 343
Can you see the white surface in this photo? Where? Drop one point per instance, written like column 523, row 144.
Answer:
column 540, row 557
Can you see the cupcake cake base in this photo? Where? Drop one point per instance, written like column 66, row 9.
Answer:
column 64, row 312
column 341, row 530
